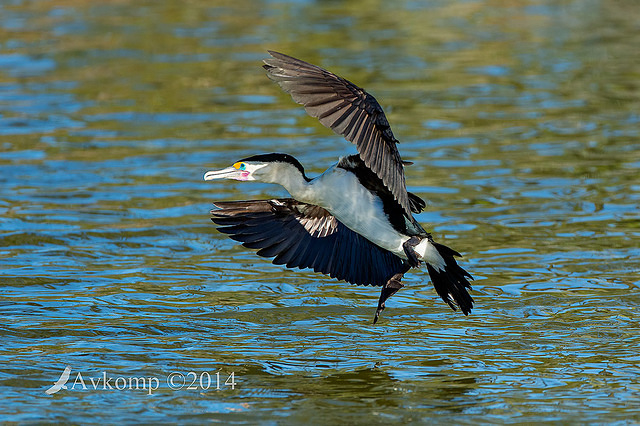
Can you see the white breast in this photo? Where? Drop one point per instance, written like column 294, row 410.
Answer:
column 340, row 192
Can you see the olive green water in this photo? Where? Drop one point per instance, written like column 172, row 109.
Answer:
column 521, row 118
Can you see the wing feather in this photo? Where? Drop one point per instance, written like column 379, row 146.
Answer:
column 349, row 111
column 305, row 236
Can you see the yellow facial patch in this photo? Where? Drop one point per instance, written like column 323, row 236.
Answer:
column 240, row 166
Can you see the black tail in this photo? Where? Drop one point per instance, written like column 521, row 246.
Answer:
column 451, row 284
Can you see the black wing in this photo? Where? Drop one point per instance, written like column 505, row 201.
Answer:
column 349, row 111
column 305, row 236
column 417, row 203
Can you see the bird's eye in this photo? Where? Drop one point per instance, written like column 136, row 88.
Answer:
column 242, row 166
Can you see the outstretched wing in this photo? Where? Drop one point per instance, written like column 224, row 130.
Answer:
column 349, row 111
column 305, row 236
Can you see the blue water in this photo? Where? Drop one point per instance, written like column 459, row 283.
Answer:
column 522, row 123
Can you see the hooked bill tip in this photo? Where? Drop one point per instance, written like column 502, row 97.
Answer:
column 216, row 174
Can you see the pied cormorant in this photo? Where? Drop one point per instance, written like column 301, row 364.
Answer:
column 355, row 221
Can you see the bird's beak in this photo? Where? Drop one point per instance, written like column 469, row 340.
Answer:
column 228, row 173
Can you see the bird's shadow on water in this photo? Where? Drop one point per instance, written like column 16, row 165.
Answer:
column 311, row 357
column 343, row 394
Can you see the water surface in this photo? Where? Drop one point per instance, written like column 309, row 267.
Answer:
column 521, row 119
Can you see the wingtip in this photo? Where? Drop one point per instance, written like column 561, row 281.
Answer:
column 266, row 61
column 278, row 55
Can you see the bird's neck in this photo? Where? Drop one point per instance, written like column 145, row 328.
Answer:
column 296, row 185
column 291, row 178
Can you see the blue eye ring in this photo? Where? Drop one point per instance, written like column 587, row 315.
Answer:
column 243, row 166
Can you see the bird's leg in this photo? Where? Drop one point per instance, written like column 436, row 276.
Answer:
column 390, row 288
column 408, row 247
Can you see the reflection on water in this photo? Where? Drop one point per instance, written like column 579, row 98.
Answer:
column 521, row 119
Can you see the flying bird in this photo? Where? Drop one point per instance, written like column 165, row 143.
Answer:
column 355, row 221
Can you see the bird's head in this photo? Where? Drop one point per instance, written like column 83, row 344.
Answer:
column 270, row 168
